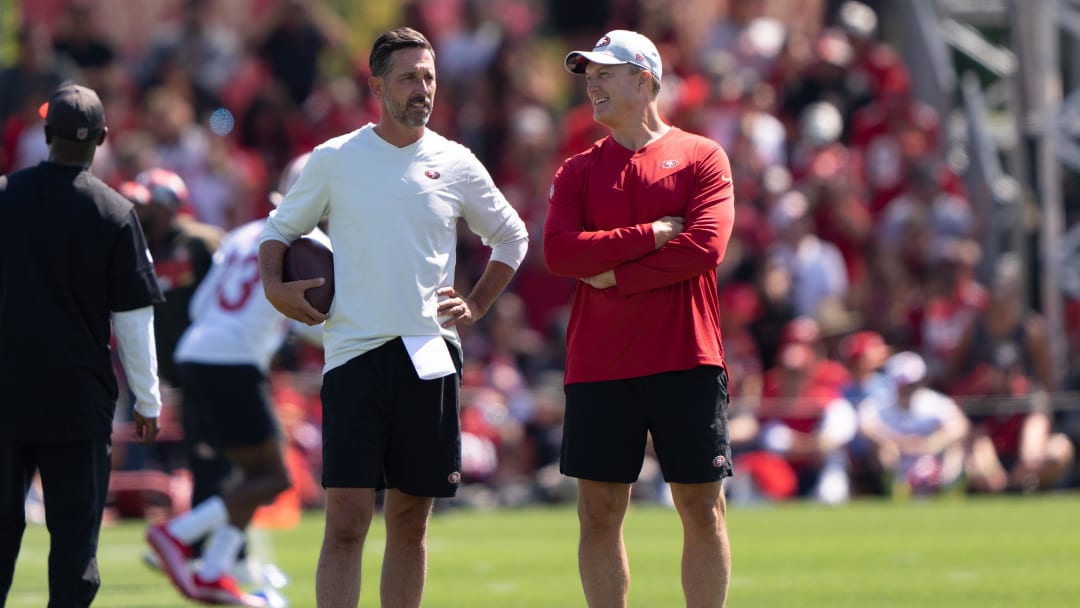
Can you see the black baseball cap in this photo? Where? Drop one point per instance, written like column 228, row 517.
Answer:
column 75, row 113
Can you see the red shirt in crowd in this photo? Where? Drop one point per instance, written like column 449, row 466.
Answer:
column 663, row 313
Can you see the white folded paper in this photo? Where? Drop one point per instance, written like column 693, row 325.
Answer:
column 430, row 356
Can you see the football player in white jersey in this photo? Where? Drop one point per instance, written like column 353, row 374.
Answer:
column 224, row 358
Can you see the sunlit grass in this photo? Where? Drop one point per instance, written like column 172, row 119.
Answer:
column 966, row 553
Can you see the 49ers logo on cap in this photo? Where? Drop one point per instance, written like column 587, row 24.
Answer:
column 455, row 477
column 639, row 57
column 719, row 461
column 433, row 174
column 603, row 42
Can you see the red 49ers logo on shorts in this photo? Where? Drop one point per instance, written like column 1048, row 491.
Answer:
column 431, row 173
column 719, row 461
column 455, row 477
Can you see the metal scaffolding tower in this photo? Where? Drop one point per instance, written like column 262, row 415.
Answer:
column 1015, row 128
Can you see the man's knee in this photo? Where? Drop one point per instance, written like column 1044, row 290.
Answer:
column 348, row 516
column 1060, row 450
column 599, row 511
column 700, row 506
column 407, row 517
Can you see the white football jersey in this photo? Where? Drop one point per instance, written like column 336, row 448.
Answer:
column 232, row 322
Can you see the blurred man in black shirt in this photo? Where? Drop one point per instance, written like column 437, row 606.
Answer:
column 72, row 259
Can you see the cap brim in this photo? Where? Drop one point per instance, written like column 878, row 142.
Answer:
column 135, row 192
column 576, row 60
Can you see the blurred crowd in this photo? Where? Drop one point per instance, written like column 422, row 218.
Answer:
column 866, row 353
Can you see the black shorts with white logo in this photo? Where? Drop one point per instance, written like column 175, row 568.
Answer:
column 227, row 406
column 384, row 427
column 607, row 426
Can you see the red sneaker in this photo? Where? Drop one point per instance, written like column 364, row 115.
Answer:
column 173, row 555
column 223, row 591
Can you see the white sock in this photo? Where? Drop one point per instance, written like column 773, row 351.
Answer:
column 198, row 522
column 221, row 551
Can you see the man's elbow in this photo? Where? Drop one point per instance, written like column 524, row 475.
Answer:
column 556, row 261
column 559, row 268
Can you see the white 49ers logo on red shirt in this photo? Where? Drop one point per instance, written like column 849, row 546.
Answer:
column 669, row 164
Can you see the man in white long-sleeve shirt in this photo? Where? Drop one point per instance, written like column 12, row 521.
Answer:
column 392, row 193
column 72, row 258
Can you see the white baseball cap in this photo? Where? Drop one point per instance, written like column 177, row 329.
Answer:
column 906, row 368
column 618, row 46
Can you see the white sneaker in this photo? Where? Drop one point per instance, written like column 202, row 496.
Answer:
column 251, row 572
column 272, row 598
column 833, row 487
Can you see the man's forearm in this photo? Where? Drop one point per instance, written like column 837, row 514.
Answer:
column 492, row 283
column 271, row 258
column 138, row 355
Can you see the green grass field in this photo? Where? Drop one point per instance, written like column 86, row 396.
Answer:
column 1014, row 552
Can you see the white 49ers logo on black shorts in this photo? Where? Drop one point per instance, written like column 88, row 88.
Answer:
column 455, row 477
column 719, row 461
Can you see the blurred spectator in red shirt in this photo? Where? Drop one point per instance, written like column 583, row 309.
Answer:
column 953, row 300
column 807, row 421
column 892, row 134
column 876, row 62
column 816, row 150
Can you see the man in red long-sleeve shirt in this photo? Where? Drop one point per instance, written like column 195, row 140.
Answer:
column 642, row 219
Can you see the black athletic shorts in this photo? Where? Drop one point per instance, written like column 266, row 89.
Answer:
column 607, row 425
column 384, row 427
column 228, row 406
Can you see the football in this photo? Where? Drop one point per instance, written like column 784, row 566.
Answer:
column 307, row 258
